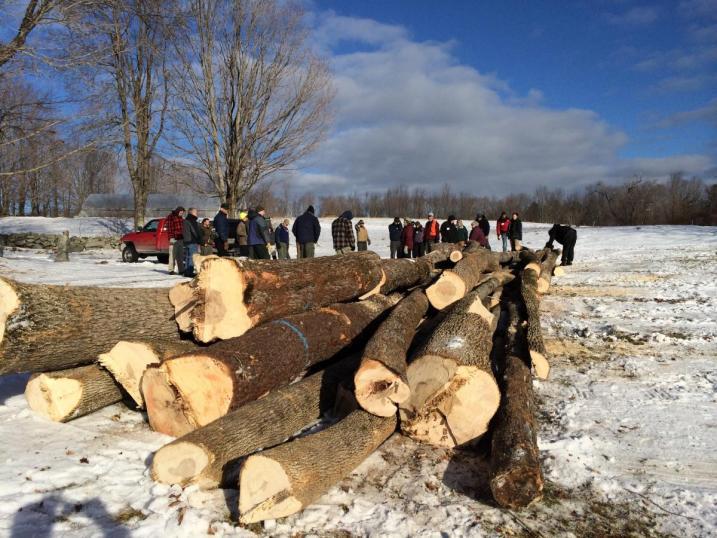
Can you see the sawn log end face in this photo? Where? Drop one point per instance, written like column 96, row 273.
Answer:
column 265, row 491
column 379, row 390
column 518, row 488
column 54, row 398
column 127, row 361
column 179, row 463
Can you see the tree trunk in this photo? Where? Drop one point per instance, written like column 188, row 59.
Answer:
column 231, row 296
column 128, row 360
column 403, row 273
column 62, row 248
column 69, row 394
column 453, row 392
column 547, row 266
column 516, row 479
column 286, row 479
column 455, row 283
column 381, row 381
column 210, row 456
column 531, row 300
column 54, row 327
column 209, row 383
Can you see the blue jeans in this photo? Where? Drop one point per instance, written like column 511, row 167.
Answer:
column 189, row 251
column 504, row 237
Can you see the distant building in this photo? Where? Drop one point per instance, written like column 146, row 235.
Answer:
column 158, row 205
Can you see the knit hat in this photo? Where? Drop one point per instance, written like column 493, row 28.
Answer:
column 310, row 209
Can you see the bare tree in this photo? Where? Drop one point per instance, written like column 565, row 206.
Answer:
column 35, row 13
column 252, row 98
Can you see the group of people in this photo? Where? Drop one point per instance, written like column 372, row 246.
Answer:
column 256, row 238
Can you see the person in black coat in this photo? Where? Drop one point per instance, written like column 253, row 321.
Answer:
column 449, row 232
column 394, row 236
column 515, row 232
column 221, row 228
column 566, row 236
column 306, row 229
column 484, row 224
column 192, row 237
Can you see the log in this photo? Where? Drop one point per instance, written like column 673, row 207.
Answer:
column 230, row 296
column 76, row 323
column 195, row 388
column 286, row 479
column 72, row 393
column 471, row 246
column 559, row 271
column 531, row 300
column 404, row 273
column 453, row 392
column 210, row 456
column 455, row 283
column 380, row 382
column 128, row 360
column 516, row 479
column 547, row 266
column 62, row 248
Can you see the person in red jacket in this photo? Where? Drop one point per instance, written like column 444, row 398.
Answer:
column 407, row 240
column 501, row 228
column 431, row 232
column 478, row 235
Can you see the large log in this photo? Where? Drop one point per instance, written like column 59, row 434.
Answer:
column 193, row 389
column 516, row 479
column 547, row 266
column 455, row 283
column 531, row 300
column 453, row 392
column 404, row 273
column 210, row 456
column 72, row 393
column 46, row 327
column 230, row 296
column 286, row 479
column 128, row 360
column 380, row 381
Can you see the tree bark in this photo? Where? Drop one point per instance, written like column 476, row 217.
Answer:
column 54, row 327
column 286, row 479
column 381, row 381
column 531, row 300
column 72, row 393
column 62, row 248
column 209, row 383
column 231, row 296
column 516, row 479
column 404, row 273
column 547, row 266
column 210, row 456
column 455, row 283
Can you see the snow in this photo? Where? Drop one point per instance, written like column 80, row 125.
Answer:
column 628, row 418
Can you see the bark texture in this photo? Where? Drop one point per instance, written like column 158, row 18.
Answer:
column 547, row 266
column 531, row 300
column 455, row 283
column 288, row 478
column 403, row 273
column 210, row 456
column 78, row 322
column 72, row 393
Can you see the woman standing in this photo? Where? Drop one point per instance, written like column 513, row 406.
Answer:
column 362, row 238
column 501, row 229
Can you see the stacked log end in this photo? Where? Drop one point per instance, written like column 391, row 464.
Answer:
column 455, row 283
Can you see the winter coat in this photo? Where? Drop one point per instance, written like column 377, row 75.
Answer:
column 430, row 231
column 449, row 234
column 258, row 229
column 221, row 226
column 191, row 233
column 394, row 231
column 418, row 235
column 281, row 235
column 342, row 232
column 206, row 235
column 306, row 228
column 502, row 226
column 174, row 224
column 478, row 235
column 484, row 226
column 462, row 233
column 562, row 234
column 242, row 233
column 362, row 234
column 407, row 236
column 516, row 229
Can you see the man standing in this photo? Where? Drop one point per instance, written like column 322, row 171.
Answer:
column 306, row 230
column 173, row 224
column 342, row 233
column 221, row 227
column 242, row 235
column 362, row 238
column 192, row 237
column 281, row 240
column 258, row 235
column 394, row 236
column 515, row 232
column 430, row 232
column 501, row 229
column 566, row 236
column 449, row 234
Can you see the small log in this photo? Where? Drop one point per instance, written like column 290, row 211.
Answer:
column 516, row 479
column 471, row 246
column 547, row 266
column 381, row 381
column 62, row 248
column 75, row 323
column 205, row 385
column 404, row 273
column 72, row 393
column 231, row 296
column 286, row 479
column 455, row 283
column 210, row 456
column 127, row 361
column 559, row 271
column 531, row 300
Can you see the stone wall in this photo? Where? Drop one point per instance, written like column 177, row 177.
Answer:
column 48, row 241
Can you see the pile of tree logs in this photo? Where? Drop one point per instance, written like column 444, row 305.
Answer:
column 239, row 362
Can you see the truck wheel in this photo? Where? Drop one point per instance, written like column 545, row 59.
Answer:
column 129, row 254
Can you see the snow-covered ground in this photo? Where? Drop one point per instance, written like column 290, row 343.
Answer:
column 628, row 418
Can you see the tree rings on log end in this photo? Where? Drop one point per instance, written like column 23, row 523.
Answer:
column 378, row 389
column 533, row 266
column 182, row 298
column 541, row 366
column 455, row 256
column 127, row 361
column 9, row 302
column 164, row 409
column 53, row 397
column 265, row 491
column 517, row 488
column 447, row 290
column 179, row 463
column 558, row 271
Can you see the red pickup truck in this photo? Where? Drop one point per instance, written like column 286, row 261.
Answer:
column 150, row 240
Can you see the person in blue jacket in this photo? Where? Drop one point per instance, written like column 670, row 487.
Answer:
column 306, row 230
column 281, row 240
column 259, row 238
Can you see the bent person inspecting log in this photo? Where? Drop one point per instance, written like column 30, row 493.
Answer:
column 380, row 381
column 46, row 327
column 454, row 284
column 286, row 479
column 231, row 296
column 209, row 456
column 193, row 389
column 72, row 393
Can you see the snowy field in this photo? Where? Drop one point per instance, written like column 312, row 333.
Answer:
column 628, row 418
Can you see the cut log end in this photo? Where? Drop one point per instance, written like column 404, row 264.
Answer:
column 377, row 289
column 447, row 290
column 378, row 389
column 455, row 256
column 541, row 366
column 265, row 491
column 127, row 361
column 559, row 271
column 9, row 302
column 163, row 407
column 426, row 375
column 179, row 463
column 477, row 307
column 543, row 286
column 54, row 398
column 182, row 298
column 533, row 266
column 517, row 488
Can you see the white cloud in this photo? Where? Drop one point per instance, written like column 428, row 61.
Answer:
column 636, row 16
column 706, row 113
